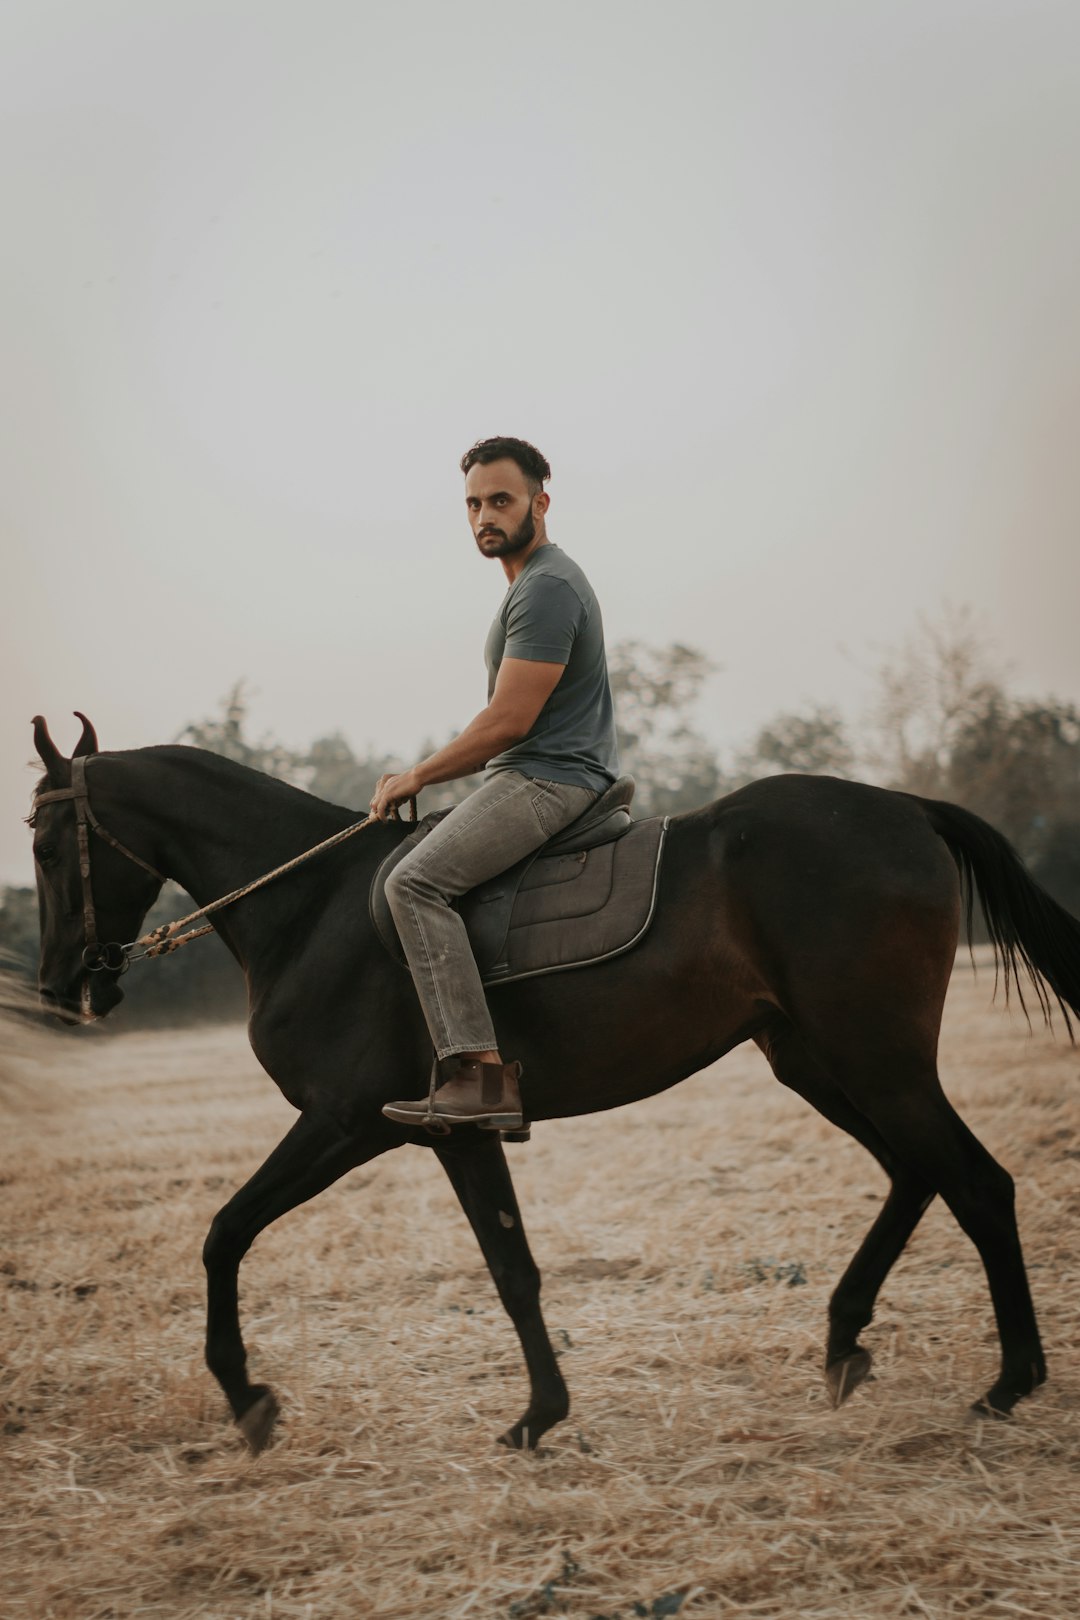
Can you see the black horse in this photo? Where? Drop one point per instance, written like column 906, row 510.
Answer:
column 817, row 917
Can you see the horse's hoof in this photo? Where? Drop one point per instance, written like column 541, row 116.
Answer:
column 999, row 1401
column 987, row 1409
column 844, row 1376
column 257, row 1423
column 519, row 1438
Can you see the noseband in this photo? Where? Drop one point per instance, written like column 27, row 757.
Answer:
column 95, row 957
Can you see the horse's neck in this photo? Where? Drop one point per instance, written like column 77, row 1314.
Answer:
column 216, row 827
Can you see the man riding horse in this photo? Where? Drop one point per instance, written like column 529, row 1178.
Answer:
column 547, row 738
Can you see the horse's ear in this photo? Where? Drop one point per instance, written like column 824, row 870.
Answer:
column 88, row 743
column 50, row 756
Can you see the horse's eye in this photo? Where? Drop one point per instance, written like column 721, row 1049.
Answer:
column 44, row 853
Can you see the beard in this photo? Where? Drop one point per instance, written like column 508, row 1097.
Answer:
column 508, row 545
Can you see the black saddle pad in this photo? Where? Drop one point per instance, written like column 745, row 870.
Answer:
column 556, row 909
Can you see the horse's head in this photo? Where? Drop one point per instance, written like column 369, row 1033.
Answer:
column 90, row 898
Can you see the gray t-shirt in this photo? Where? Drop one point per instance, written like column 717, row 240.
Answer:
column 550, row 615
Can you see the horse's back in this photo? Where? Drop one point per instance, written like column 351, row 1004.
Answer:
column 814, row 832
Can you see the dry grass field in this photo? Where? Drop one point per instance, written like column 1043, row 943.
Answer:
column 687, row 1268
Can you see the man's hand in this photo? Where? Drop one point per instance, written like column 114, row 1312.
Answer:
column 391, row 791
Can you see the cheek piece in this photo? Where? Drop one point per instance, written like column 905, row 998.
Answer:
column 96, row 957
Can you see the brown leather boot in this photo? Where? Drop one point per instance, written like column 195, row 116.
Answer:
column 469, row 1093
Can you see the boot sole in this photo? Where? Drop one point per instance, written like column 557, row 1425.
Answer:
column 486, row 1122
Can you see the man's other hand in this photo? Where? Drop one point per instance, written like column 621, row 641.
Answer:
column 390, row 791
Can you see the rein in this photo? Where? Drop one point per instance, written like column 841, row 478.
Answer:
column 164, row 940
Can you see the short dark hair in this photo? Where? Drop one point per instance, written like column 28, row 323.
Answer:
column 520, row 451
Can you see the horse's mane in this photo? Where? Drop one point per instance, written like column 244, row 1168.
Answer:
column 245, row 777
column 219, row 767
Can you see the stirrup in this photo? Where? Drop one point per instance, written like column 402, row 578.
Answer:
column 434, row 1125
column 432, row 1122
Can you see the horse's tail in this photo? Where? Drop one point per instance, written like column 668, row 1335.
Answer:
column 1027, row 927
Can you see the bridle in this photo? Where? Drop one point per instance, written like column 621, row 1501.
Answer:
column 95, row 957
column 114, row 957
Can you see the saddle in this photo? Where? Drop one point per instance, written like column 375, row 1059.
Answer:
column 587, row 894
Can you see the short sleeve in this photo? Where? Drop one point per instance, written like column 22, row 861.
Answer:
column 543, row 621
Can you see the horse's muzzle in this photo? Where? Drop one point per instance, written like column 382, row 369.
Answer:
column 95, row 995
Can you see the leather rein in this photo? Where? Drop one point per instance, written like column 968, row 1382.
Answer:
column 114, row 957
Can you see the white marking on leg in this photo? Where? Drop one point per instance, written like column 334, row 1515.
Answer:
column 505, row 1219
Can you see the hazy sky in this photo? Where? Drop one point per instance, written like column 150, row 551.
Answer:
column 788, row 291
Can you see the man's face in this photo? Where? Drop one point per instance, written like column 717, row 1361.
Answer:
column 502, row 508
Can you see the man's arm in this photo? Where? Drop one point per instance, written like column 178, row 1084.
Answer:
column 522, row 687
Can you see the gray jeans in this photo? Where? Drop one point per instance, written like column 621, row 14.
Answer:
column 499, row 824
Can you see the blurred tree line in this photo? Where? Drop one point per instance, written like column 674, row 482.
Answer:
column 942, row 725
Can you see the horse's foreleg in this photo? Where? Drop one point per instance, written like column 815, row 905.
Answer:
column 851, row 1308
column 478, row 1173
column 314, row 1154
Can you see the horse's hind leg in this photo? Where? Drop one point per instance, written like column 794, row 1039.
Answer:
column 476, row 1166
column 851, row 1308
column 314, row 1154
column 905, row 1103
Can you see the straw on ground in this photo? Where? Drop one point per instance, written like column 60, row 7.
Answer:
column 687, row 1266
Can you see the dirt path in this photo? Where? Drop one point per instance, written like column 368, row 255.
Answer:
column 701, row 1471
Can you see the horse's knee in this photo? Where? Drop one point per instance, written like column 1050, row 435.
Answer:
column 221, row 1245
column 1000, row 1185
